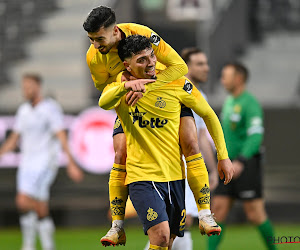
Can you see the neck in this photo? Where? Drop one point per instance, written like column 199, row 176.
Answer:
column 35, row 101
column 194, row 81
column 120, row 35
column 238, row 91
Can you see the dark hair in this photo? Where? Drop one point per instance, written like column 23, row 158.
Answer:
column 100, row 16
column 133, row 45
column 34, row 76
column 239, row 68
column 188, row 52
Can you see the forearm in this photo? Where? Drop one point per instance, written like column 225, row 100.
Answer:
column 214, row 127
column 62, row 137
column 101, row 85
column 112, row 95
column 10, row 144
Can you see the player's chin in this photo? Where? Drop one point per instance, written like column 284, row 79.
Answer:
column 103, row 50
column 150, row 75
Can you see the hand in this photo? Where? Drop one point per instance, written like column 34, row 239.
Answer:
column 225, row 168
column 132, row 97
column 138, row 85
column 74, row 172
column 213, row 180
column 238, row 169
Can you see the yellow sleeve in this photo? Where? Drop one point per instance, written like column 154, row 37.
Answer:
column 112, row 94
column 98, row 71
column 191, row 97
column 175, row 65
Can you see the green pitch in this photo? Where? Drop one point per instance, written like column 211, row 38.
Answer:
column 237, row 237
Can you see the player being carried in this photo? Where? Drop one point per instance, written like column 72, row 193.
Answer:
column 155, row 173
column 105, row 64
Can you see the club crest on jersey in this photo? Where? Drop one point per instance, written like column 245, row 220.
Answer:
column 143, row 123
column 155, row 39
column 160, row 103
column 188, row 87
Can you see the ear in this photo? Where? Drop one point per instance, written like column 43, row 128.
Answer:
column 127, row 66
column 115, row 30
column 239, row 78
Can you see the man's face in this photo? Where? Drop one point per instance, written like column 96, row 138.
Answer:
column 142, row 65
column 104, row 39
column 228, row 78
column 198, row 67
column 31, row 89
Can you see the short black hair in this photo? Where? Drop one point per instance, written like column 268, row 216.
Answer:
column 239, row 68
column 99, row 17
column 34, row 76
column 133, row 45
column 186, row 53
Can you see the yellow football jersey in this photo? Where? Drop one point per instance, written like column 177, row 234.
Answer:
column 151, row 128
column 105, row 68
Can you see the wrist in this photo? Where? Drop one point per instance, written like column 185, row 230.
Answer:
column 242, row 159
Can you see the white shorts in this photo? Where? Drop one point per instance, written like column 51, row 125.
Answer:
column 190, row 204
column 36, row 182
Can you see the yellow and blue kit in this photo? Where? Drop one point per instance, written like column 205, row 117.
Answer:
column 151, row 128
column 104, row 68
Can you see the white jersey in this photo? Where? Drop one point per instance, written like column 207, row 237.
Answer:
column 37, row 127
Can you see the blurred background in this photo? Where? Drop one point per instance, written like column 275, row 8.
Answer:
column 46, row 36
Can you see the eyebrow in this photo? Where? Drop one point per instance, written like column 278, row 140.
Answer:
column 99, row 37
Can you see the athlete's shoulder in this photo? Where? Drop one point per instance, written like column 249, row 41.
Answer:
column 184, row 84
column 90, row 54
column 23, row 108
column 50, row 105
column 180, row 82
column 251, row 99
column 135, row 29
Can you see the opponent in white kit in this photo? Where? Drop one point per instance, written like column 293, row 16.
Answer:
column 197, row 63
column 39, row 125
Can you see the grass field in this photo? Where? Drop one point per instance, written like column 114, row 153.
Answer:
column 239, row 237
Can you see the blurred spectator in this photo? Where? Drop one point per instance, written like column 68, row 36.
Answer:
column 39, row 126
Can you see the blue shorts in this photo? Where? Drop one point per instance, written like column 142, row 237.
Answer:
column 156, row 202
column 185, row 111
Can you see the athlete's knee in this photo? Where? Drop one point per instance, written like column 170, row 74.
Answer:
column 163, row 238
column 189, row 145
column 23, row 203
column 159, row 234
column 120, row 157
column 120, row 149
column 42, row 210
column 255, row 213
column 188, row 136
column 191, row 148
